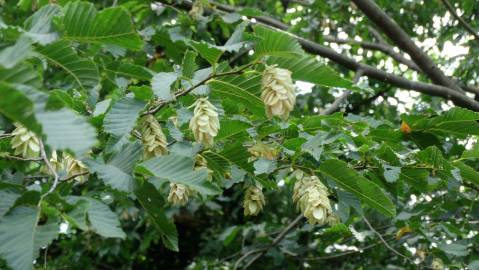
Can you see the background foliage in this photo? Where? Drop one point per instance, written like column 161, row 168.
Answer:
column 80, row 75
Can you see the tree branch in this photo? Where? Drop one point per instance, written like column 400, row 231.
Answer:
column 276, row 240
column 382, row 47
column 21, row 159
column 184, row 92
column 458, row 98
column 404, row 42
column 468, row 27
column 341, row 99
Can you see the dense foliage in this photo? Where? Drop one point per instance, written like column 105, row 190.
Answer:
column 172, row 135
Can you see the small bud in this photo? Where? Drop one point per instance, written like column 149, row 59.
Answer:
column 264, row 151
column 253, row 201
column 178, row 194
column 437, row 264
column 74, row 167
column 278, row 92
column 154, row 141
column 25, row 143
column 205, row 123
column 405, row 128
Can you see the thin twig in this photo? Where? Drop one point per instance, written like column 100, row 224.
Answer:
column 184, row 92
column 276, row 240
column 386, row 243
column 74, row 176
column 56, row 178
column 468, row 27
column 340, row 100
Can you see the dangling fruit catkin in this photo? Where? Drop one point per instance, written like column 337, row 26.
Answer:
column 154, row 141
column 25, row 143
column 253, row 201
column 74, row 167
column 179, row 194
column 205, row 123
column 311, row 198
column 278, row 92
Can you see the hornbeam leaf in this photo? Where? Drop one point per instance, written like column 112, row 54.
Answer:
column 153, row 203
column 235, row 93
column 82, row 71
column 21, row 237
column 110, row 26
column 118, row 172
column 178, row 169
column 350, row 180
column 276, row 43
column 65, row 129
column 122, row 116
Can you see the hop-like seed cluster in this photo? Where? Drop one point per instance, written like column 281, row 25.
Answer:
column 264, row 151
column 253, row 201
column 196, row 10
column 154, row 141
column 201, row 163
column 278, row 92
column 179, row 194
column 25, row 143
column 311, row 198
column 55, row 162
column 74, row 167
column 205, row 123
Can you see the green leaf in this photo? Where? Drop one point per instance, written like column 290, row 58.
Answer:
column 473, row 153
column 21, row 74
column 189, row 64
column 65, row 129
column 178, row 169
column 17, row 106
column 161, row 85
column 110, row 26
column 457, row 121
column 468, row 173
column 417, row 178
column 391, row 173
column 350, row 180
column 230, row 128
column 208, row 51
column 153, row 203
column 7, row 199
column 264, row 166
column 102, row 220
column 275, row 43
column 217, row 163
column 122, row 116
column 21, row 237
column 307, row 68
column 118, row 172
column 131, row 71
column 454, row 249
column 83, row 72
column 432, row 158
column 237, row 94
column 11, row 56
column 40, row 26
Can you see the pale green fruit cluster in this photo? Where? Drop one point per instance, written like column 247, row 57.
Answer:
column 74, row 167
column 25, row 143
column 154, row 141
column 311, row 198
column 253, row 201
column 205, row 123
column 278, row 92
column 437, row 264
column 179, row 194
